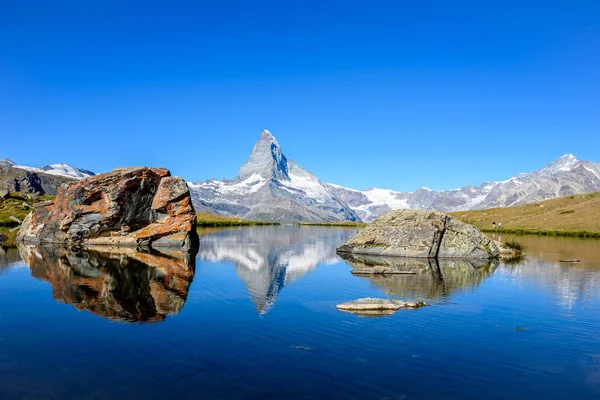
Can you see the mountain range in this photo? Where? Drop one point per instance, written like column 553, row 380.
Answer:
column 563, row 177
column 271, row 187
column 64, row 170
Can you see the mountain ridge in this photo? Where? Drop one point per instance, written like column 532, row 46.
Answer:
column 564, row 176
column 60, row 169
column 270, row 187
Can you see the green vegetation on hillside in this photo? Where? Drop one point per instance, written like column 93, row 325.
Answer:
column 210, row 220
column 577, row 215
column 18, row 206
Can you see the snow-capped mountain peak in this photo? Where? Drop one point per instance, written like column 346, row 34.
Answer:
column 266, row 160
column 62, row 169
column 67, row 171
column 564, row 163
column 5, row 162
column 271, row 187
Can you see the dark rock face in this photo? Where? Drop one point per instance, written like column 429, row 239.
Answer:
column 19, row 180
column 423, row 234
column 130, row 206
column 117, row 283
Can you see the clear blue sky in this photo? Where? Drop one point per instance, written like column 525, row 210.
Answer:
column 394, row 94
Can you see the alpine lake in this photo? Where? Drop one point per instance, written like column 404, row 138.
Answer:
column 253, row 316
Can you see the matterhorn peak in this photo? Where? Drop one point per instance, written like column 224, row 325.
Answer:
column 267, row 136
column 266, row 159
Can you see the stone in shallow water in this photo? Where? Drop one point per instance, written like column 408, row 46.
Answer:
column 423, row 234
column 370, row 306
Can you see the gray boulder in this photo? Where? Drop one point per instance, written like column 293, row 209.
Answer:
column 421, row 234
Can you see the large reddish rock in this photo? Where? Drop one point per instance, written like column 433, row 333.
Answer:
column 136, row 206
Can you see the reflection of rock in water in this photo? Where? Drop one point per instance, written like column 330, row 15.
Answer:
column 117, row 283
column 269, row 258
column 431, row 279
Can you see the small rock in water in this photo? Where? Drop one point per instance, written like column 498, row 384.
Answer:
column 416, row 304
column 373, row 306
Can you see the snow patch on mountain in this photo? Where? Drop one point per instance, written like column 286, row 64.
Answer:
column 62, row 169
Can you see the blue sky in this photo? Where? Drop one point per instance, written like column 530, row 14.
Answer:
column 394, row 94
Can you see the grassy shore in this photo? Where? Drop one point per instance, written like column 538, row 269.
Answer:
column 577, row 216
column 336, row 224
column 215, row 221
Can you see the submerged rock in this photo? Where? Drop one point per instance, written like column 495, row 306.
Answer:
column 136, row 206
column 380, row 270
column 375, row 306
column 421, row 234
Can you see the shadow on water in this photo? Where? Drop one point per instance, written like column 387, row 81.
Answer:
column 117, row 283
column 268, row 258
column 422, row 278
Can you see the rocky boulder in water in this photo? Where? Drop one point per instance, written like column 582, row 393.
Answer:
column 424, row 234
column 136, row 206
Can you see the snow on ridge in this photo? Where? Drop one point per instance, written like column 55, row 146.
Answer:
column 61, row 169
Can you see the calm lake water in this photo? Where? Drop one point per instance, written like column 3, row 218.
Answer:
column 255, row 318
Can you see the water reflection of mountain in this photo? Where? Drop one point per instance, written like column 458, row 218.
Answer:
column 118, row 283
column 429, row 279
column 572, row 283
column 269, row 258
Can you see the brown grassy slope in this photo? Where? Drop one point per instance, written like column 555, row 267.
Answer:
column 577, row 215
